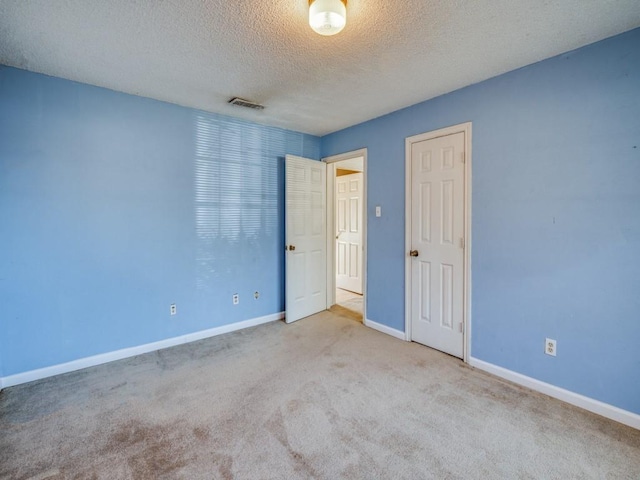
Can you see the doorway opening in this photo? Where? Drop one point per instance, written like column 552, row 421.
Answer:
column 346, row 234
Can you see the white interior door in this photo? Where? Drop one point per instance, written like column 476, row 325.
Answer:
column 349, row 232
column 305, row 236
column 437, row 243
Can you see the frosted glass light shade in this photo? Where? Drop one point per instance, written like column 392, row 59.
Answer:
column 327, row 17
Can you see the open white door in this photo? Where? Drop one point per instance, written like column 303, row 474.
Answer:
column 305, row 237
column 349, row 232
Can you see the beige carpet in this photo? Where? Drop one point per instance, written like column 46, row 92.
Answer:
column 325, row 398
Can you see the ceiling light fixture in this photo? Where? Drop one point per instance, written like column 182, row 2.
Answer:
column 327, row 17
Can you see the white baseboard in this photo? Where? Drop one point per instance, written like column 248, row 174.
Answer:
column 86, row 362
column 609, row 411
column 384, row 329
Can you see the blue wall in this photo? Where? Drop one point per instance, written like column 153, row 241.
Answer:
column 556, row 215
column 112, row 207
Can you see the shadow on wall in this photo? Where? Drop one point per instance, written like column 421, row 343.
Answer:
column 238, row 198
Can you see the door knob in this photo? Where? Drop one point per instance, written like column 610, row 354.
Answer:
column 292, row 248
column 413, row 253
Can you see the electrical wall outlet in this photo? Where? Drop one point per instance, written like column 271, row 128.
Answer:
column 236, row 299
column 172, row 309
column 256, row 295
column 550, row 346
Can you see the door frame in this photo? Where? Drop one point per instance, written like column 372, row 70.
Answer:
column 466, row 294
column 331, row 241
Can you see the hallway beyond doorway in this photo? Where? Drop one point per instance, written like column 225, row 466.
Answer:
column 346, row 300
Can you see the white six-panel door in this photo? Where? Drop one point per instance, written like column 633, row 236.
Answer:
column 305, row 237
column 437, row 243
column 349, row 232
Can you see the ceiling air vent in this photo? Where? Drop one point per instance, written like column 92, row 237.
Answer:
column 241, row 102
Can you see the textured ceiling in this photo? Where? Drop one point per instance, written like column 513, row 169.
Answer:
column 392, row 54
